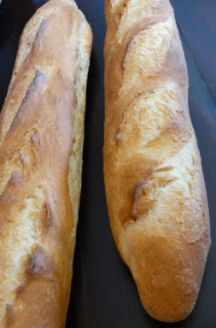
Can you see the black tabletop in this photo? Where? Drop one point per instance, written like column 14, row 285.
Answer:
column 103, row 292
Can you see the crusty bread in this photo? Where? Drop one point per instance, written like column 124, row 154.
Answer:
column 41, row 140
column 154, row 183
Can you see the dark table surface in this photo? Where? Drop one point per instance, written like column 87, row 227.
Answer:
column 103, row 293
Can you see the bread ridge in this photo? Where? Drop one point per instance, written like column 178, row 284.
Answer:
column 154, row 183
column 41, row 142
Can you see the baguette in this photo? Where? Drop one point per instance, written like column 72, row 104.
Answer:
column 41, row 141
column 153, row 177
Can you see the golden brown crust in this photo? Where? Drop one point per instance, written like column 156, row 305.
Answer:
column 41, row 135
column 154, row 183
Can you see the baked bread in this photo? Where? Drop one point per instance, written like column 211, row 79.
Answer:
column 153, row 177
column 41, row 140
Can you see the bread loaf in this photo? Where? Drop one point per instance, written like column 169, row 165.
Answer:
column 154, row 183
column 41, row 140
